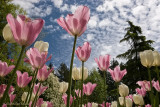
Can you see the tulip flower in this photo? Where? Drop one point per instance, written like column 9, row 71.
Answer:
column 123, row 90
column 141, row 91
column 25, row 31
column 2, row 89
column 43, row 73
column 103, row 63
column 121, row 101
column 78, row 92
column 23, row 79
column 7, row 34
column 88, row 88
column 117, row 74
column 77, row 73
column 147, row 58
column 41, row 90
column 148, row 105
column 47, row 104
column 156, row 56
column 12, row 97
column 11, row 90
column 114, row 104
column 83, row 53
column 107, row 104
column 64, row 97
column 138, row 99
column 90, row 105
column 75, row 24
column 37, row 59
column 145, row 84
column 24, row 95
column 4, row 105
column 156, row 86
column 38, row 103
column 42, row 46
column 5, row 69
column 63, row 87
column 129, row 102
column 130, row 96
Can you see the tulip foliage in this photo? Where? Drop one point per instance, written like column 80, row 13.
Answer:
column 24, row 31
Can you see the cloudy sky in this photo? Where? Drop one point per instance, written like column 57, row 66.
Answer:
column 105, row 28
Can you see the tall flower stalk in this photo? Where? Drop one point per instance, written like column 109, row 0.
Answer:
column 70, row 73
column 13, row 74
column 151, row 92
column 82, row 83
column 105, row 87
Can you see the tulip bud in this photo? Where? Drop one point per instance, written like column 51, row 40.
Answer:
column 24, row 95
column 7, row 34
column 44, row 104
column 138, row 99
column 147, row 58
column 63, row 87
column 128, row 102
column 121, row 101
column 156, row 56
column 77, row 73
column 123, row 90
column 94, row 104
column 114, row 104
column 42, row 46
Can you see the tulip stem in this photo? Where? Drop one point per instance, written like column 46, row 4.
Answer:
column 74, row 92
column 117, row 94
column 34, row 80
column 35, row 99
column 149, row 74
column 82, row 83
column 31, row 87
column 12, row 77
column 105, row 87
column 158, row 74
column 70, row 73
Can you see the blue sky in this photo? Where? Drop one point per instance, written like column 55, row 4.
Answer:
column 104, row 30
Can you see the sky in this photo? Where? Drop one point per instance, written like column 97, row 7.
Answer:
column 105, row 28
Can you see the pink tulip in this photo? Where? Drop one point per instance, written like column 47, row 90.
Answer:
column 103, row 63
column 117, row 74
column 75, row 24
column 88, row 105
column 49, row 104
column 11, row 90
column 38, row 103
column 141, row 91
column 43, row 73
column 41, row 90
column 5, row 69
column 130, row 96
column 23, row 79
column 4, row 105
column 145, row 84
column 156, row 86
column 12, row 97
column 88, row 88
column 78, row 92
column 64, row 97
column 148, row 105
column 37, row 59
column 107, row 104
column 2, row 89
column 83, row 53
column 25, row 31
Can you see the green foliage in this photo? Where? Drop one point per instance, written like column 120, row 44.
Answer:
column 52, row 93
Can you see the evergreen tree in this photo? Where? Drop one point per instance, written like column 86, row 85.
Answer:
column 137, row 43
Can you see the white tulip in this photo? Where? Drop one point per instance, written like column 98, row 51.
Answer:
column 138, row 99
column 121, row 101
column 7, row 34
column 156, row 56
column 63, row 87
column 45, row 104
column 123, row 90
column 147, row 58
column 94, row 104
column 24, row 95
column 114, row 104
column 128, row 102
column 41, row 46
column 77, row 73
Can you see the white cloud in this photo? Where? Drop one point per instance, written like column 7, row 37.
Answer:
column 57, row 3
